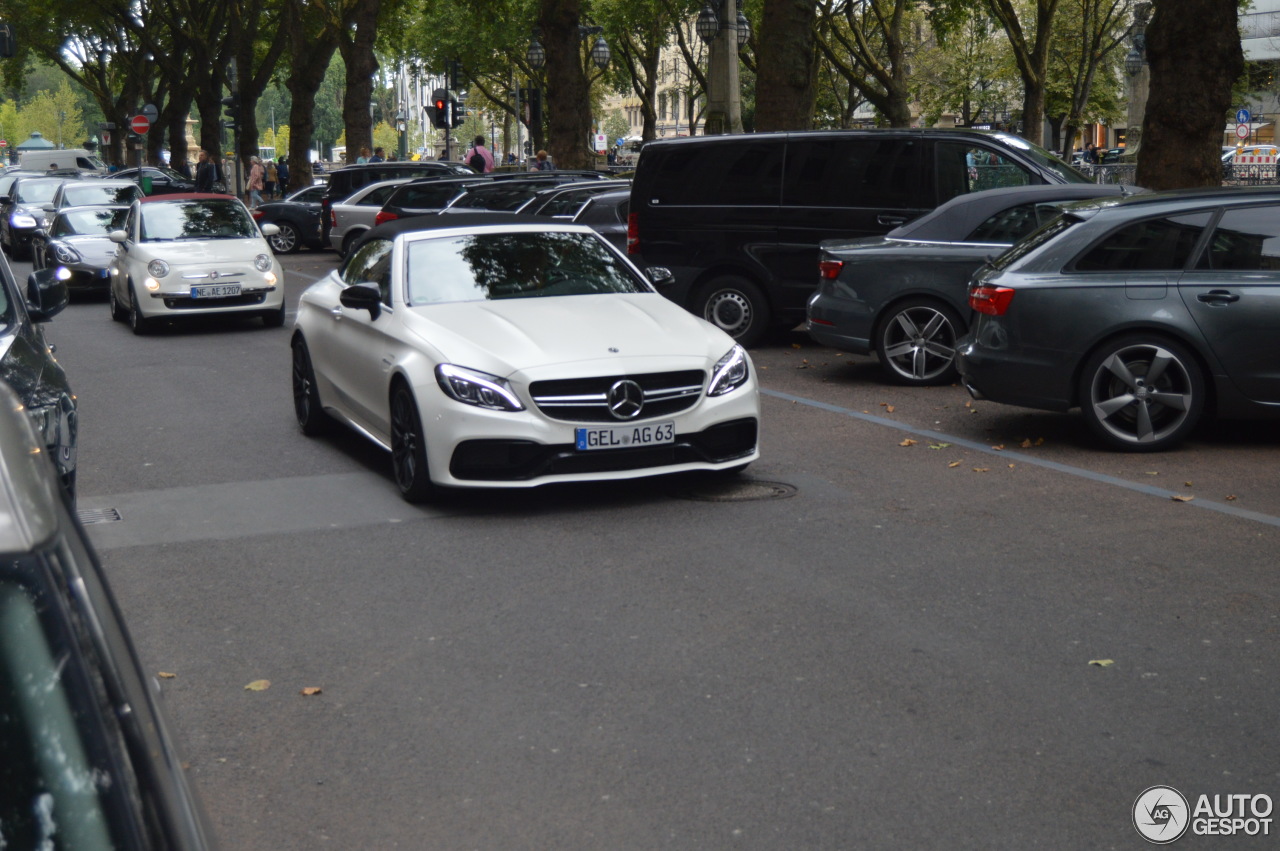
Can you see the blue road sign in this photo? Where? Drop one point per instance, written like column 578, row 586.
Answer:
column 1242, row 116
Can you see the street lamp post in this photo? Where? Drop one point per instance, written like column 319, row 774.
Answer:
column 724, row 29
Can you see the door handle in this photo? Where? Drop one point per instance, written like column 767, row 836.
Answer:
column 891, row 220
column 336, row 311
column 1218, row 297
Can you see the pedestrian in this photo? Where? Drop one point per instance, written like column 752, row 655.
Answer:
column 479, row 158
column 206, row 173
column 272, row 176
column 282, row 175
column 377, row 156
column 364, row 156
column 542, row 163
column 257, row 176
column 1091, row 153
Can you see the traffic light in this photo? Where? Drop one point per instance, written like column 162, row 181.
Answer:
column 440, row 108
column 459, row 111
column 528, row 147
column 232, row 111
column 7, row 41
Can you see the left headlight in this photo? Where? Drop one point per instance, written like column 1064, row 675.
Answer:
column 262, row 263
column 473, row 387
column 730, row 372
column 64, row 253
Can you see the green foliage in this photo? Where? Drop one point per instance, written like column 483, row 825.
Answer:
column 55, row 115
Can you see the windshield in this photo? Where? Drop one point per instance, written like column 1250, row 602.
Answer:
column 196, row 220
column 90, row 193
column 497, row 198
column 490, row 266
column 36, row 191
column 1043, row 158
column 96, row 221
column 1034, row 240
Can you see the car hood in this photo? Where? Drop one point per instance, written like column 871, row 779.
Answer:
column 185, row 251
column 645, row 330
column 90, row 247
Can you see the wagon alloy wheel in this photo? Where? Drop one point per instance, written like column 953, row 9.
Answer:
column 286, row 241
column 408, row 447
column 735, row 306
column 1142, row 394
column 917, row 342
column 306, row 397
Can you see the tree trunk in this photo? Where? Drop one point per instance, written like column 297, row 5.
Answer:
column 1182, row 130
column 568, row 97
column 786, row 62
column 356, row 46
column 312, row 48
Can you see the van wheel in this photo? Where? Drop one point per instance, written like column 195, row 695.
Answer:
column 735, row 306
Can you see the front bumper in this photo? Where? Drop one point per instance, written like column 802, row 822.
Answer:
column 173, row 298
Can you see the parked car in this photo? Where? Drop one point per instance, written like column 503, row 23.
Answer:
column 565, row 200
column 297, row 220
column 350, row 217
column 603, row 212
column 87, row 758
column 78, row 240
column 905, row 295
column 187, row 255
column 737, row 219
column 22, row 212
column 163, row 180
column 510, row 351
column 343, row 181
column 423, row 196
column 1147, row 313
column 510, row 196
column 87, row 193
column 28, row 366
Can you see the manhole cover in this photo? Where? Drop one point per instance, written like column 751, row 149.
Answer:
column 90, row 516
column 737, row 490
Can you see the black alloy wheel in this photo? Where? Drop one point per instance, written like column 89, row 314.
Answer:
column 408, row 446
column 1142, row 393
column 287, row 241
column 306, row 396
column 736, row 306
column 916, row 342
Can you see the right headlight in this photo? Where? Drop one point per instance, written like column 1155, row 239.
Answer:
column 473, row 387
column 729, row 373
column 64, row 253
column 157, row 268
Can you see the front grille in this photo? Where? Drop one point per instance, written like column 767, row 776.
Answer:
column 585, row 400
column 188, row 303
column 521, row 460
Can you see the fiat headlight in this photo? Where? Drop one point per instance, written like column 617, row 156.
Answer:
column 730, row 372
column 262, row 263
column 473, row 387
column 157, row 268
column 64, row 253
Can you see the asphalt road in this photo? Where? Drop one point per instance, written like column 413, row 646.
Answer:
column 892, row 648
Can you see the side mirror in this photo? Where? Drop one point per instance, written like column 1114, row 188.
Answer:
column 119, row 237
column 269, row 229
column 363, row 297
column 660, row 277
column 49, row 208
column 47, row 293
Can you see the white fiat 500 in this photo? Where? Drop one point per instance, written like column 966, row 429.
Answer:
column 183, row 255
column 512, row 352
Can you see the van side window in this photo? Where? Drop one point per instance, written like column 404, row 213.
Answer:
column 971, row 168
column 852, row 173
column 718, row 174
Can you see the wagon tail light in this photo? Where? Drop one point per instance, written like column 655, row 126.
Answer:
column 383, row 216
column 829, row 270
column 333, row 219
column 993, row 301
column 633, row 234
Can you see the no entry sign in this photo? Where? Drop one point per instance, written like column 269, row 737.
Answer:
column 139, row 124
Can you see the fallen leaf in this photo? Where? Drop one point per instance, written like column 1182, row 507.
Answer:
column 982, row 469
column 1026, row 444
column 884, row 404
column 165, row 675
column 1186, row 484
column 804, row 360
column 1177, row 497
column 968, row 404
column 973, row 411
column 838, row 354
column 1102, row 663
column 908, row 442
column 1011, row 466
column 939, row 445
column 889, row 408
column 1040, row 441
column 998, row 448
column 1231, row 498
column 1152, row 473
column 310, row 690
column 258, row 685
column 795, row 345
column 955, row 463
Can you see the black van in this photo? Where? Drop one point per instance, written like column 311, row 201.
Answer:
column 737, row 219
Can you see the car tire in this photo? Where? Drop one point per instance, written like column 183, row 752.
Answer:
column 1142, row 393
column 118, row 312
column 287, row 241
column 736, row 306
column 916, row 342
column 140, row 324
column 306, row 395
column 274, row 318
column 348, row 241
column 409, row 446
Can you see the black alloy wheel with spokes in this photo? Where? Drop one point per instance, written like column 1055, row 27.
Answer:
column 1142, row 393
column 306, row 397
column 409, row 446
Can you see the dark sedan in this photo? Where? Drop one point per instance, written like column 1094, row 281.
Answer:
column 604, row 212
column 85, row 758
column 77, row 240
column 298, row 218
column 22, row 212
column 1147, row 313
column 157, row 180
column 904, row 295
